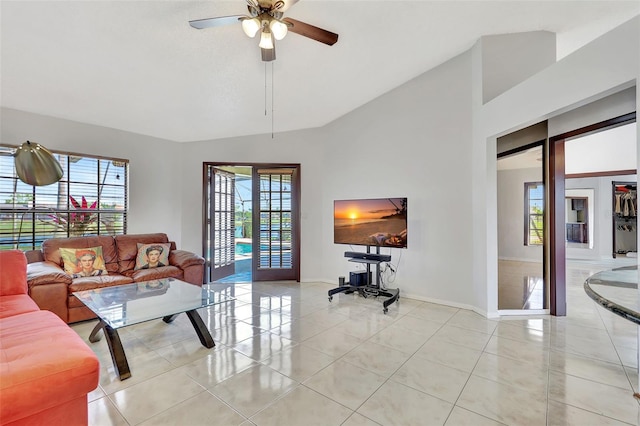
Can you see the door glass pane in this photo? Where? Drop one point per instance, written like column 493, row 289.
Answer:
column 286, row 221
column 275, row 220
column 223, row 219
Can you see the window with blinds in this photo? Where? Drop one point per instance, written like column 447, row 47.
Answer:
column 90, row 199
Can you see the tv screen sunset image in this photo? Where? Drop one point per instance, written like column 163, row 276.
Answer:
column 371, row 222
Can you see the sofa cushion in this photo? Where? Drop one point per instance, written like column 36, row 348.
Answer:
column 16, row 304
column 52, row 254
column 127, row 246
column 74, row 258
column 43, row 363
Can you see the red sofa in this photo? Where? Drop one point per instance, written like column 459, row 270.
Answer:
column 46, row 369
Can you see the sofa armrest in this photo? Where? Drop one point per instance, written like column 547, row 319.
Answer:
column 183, row 259
column 191, row 264
column 40, row 273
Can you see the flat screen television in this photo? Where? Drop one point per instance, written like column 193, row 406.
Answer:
column 378, row 222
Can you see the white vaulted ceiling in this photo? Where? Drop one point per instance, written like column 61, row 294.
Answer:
column 138, row 65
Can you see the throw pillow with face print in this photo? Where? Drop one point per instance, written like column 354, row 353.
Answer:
column 152, row 255
column 83, row 262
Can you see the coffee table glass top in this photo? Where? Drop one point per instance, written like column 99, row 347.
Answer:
column 617, row 291
column 129, row 304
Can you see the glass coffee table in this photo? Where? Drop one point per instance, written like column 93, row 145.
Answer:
column 124, row 305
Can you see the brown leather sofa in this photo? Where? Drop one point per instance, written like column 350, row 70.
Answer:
column 51, row 287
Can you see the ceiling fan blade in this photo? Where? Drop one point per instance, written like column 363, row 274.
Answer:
column 215, row 22
column 268, row 55
column 315, row 33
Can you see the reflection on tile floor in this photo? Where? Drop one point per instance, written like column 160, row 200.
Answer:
column 285, row 355
column 520, row 285
column 242, row 271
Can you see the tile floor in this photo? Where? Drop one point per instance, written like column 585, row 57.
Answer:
column 285, row 355
column 520, row 285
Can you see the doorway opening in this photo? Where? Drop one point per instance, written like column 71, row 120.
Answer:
column 521, row 230
column 251, row 222
column 581, row 159
column 579, row 217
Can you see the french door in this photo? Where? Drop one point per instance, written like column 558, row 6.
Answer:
column 275, row 214
column 220, row 250
column 276, row 234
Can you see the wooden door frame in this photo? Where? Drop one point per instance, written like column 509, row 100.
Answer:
column 296, row 232
column 557, row 284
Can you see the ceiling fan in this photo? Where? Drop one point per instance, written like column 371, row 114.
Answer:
column 266, row 17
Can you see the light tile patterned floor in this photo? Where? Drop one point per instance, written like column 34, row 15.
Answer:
column 285, row 355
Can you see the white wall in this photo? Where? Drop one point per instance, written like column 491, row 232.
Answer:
column 155, row 166
column 508, row 59
column 614, row 105
column 412, row 142
column 614, row 149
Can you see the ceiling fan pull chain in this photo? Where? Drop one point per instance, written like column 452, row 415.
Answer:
column 265, row 89
column 272, row 92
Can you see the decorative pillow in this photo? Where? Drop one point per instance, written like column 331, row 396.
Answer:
column 152, row 255
column 83, row 262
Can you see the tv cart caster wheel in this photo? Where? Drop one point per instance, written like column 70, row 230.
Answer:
column 330, row 298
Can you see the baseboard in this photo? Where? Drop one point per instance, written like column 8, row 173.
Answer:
column 518, row 312
column 517, row 259
column 486, row 314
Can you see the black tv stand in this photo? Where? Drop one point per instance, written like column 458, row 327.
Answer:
column 369, row 289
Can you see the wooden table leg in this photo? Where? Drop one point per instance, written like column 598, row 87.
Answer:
column 118, row 356
column 201, row 330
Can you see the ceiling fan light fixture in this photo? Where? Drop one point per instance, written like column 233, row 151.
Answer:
column 266, row 42
column 278, row 29
column 267, row 17
column 250, row 26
